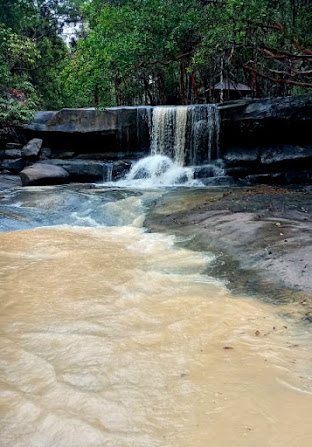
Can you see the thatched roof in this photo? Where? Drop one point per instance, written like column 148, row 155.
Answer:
column 231, row 85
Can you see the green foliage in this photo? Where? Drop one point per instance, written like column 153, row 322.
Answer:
column 32, row 54
column 12, row 112
column 150, row 51
column 136, row 50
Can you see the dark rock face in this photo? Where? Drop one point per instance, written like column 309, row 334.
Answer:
column 223, row 180
column 285, row 154
column 75, row 121
column 44, row 174
column 210, row 170
column 120, row 169
column 290, row 108
column 14, row 166
column 281, row 178
column 91, row 170
column 45, row 153
column 242, row 162
column 32, row 148
column 12, row 146
column 258, row 137
column 12, row 153
column 112, row 131
column 266, row 139
column 79, row 170
column 237, row 156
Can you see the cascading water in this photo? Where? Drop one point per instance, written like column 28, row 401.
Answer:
column 186, row 134
column 108, row 172
column 169, row 133
column 159, row 170
column 177, row 136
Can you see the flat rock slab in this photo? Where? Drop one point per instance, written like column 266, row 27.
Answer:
column 8, row 181
column 79, row 170
column 44, row 174
column 264, row 228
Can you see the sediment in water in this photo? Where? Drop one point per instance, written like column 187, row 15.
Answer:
column 112, row 336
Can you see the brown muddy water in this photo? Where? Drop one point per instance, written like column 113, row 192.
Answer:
column 112, row 336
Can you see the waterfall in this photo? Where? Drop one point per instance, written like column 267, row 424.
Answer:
column 108, row 172
column 186, row 134
column 169, row 132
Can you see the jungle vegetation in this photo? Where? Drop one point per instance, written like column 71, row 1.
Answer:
column 129, row 52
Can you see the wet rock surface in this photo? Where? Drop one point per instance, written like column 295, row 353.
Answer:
column 44, row 174
column 265, row 230
column 79, row 170
column 90, row 170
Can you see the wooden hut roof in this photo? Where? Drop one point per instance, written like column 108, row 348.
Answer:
column 231, row 85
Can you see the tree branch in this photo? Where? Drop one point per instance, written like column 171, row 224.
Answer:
column 281, row 54
column 300, row 48
column 278, row 80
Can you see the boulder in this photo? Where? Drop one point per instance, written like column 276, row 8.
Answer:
column 241, row 156
column 239, row 172
column 12, row 153
column 120, row 169
column 294, row 108
column 64, row 155
column 45, row 153
column 92, row 170
column 222, row 180
column 80, row 170
column 266, row 179
column 210, row 170
column 284, row 153
column 293, row 177
column 44, row 174
column 13, row 146
column 13, row 165
column 32, row 148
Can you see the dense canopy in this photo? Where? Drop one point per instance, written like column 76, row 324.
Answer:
column 150, row 52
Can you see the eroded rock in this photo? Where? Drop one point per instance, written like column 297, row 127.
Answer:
column 32, row 148
column 44, row 174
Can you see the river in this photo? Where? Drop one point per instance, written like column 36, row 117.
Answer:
column 115, row 336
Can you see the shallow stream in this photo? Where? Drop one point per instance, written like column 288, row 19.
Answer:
column 114, row 336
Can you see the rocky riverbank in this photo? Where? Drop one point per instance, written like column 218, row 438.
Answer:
column 261, row 236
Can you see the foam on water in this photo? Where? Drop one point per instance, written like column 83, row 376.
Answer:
column 158, row 170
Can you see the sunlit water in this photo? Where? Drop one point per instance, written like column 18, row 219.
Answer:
column 112, row 336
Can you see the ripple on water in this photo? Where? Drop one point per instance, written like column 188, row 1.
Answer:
column 112, row 336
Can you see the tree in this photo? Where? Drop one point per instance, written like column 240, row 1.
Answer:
column 164, row 51
column 32, row 53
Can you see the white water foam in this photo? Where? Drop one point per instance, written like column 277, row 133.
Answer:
column 159, row 170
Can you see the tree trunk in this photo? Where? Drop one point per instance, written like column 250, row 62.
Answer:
column 182, row 85
column 194, row 85
column 162, row 87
